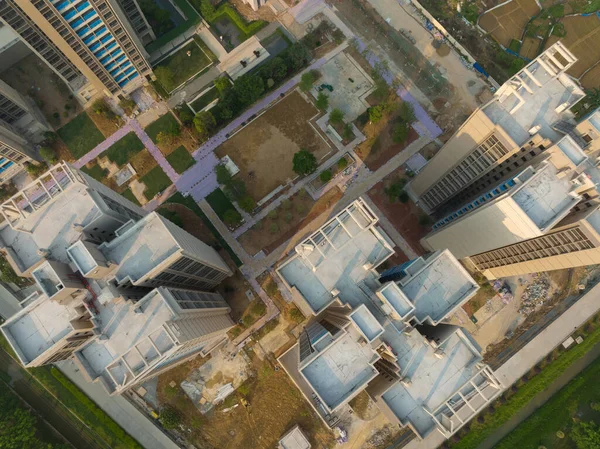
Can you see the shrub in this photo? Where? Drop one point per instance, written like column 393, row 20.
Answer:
column 258, row 308
column 325, row 176
column 271, row 288
column 347, row 132
column 424, row 220
column 273, row 214
column 403, row 197
column 49, row 154
column 101, row 107
column 232, row 217
column 306, row 81
column 394, row 191
column 205, row 124
column 322, row 101
column 342, row 163
column 35, row 170
column 296, row 315
column 286, row 204
column 247, row 203
column 400, row 133
column 169, row 418
column 336, row 116
column 288, row 217
column 304, row 162
column 50, row 137
column 274, row 228
column 128, row 105
column 406, row 112
column 185, row 114
column 376, row 113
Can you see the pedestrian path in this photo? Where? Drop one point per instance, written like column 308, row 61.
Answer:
column 103, row 146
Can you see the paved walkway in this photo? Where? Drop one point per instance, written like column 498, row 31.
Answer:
column 118, row 408
column 105, row 145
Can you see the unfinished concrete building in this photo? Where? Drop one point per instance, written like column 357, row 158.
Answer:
column 503, row 136
column 125, row 293
column 544, row 218
column 383, row 332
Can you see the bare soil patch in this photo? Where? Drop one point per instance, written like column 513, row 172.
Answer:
column 288, row 221
column 264, row 150
column 592, row 78
column 404, row 216
column 105, row 126
column 185, row 138
column 143, row 162
column 530, row 47
column 507, row 22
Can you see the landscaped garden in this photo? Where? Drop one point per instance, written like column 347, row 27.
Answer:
column 156, row 180
column 166, row 124
column 80, row 135
column 180, row 159
column 224, row 208
column 201, row 102
column 176, row 69
column 124, row 149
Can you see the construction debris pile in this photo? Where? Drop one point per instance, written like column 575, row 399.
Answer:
column 503, row 290
column 535, row 294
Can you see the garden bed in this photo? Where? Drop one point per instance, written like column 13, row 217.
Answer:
column 166, row 124
column 80, row 135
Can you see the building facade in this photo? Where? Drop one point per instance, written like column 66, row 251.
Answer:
column 89, row 44
column 124, row 293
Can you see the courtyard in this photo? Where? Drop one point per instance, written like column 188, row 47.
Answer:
column 264, row 150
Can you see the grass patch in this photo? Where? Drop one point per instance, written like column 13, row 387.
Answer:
column 156, row 180
column 559, row 413
column 182, row 67
column 515, row 45
column 96, row 172
column 165, row 124
column 203, row 101
column 178, row 198
column 479, row 432
column 247, row 29
column 124, row 149
column 80, row 135
column 253, row 313
column 219, row 202
column 192, row 19
column 131, row 197
column 180, row 159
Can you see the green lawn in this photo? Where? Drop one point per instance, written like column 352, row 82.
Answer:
column 479, row 432
column 180, row 159
column 122, row 150
column 559, row 413
column 182, row 67
column 203, row 101
column 80, row 135
column 219, row 202
column 188, row 202
column 166, row 123
column 96, row 172
column 131, row 197
column 156, row 180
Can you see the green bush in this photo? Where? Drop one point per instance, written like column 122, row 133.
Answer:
column 342, row 163
column 232, row 217
column 348, row 132
column 258, row 308
column 400, row 132
column 296, row 315
column 273, row 228
column 306, row 81
column 128, row 105
column 336, row 116
column 304, row 163
column 169, row 418
column 49, row 154
column 322, row 101
column 247, row 203
column 325, row 176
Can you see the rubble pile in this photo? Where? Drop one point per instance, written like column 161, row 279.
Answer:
column 535, row 294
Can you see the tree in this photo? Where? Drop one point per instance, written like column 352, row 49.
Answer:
column 247, row 203
column 277, row 68
column 424, row 221
column 586, row 435
column 207, row 10
column 304, row 162
column 376, row 113
column 164, row 75
column 205, row 124
column 50, row 137
column 223, row 175
column 325, row 176
column 232, row 217
column 322, row 101
column 403, row 197
column 163, row 138
column 222, row 84
column 297, row 56
column 400, row 133
column 306, row 81
column 394, row 191
column 336, row 116
column 342, row 163
column 49, row 154
column 35, row 170
column 169, row 418
column 406, row 112
column 248, row 89
column 348, row 132
column 185, row 115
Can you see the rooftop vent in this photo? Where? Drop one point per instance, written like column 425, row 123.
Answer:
column 534, row 130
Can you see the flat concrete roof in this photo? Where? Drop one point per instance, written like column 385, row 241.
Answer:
column 38, row 327
column 545, row 197
column 294, row 439
column 141, row 248
column 433, row 380
column 341, row 370
column 439, row 287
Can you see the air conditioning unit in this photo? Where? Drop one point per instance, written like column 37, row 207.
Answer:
column 534, row 130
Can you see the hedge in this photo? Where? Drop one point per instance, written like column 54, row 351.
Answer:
column 479, row 432
column 248, row 29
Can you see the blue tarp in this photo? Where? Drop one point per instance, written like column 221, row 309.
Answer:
column 480, row 69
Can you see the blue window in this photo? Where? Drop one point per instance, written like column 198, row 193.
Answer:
column 123, row 83
column 89, row 14
column 129, row 70
column 110, row 66
column 134, row 75
column 105, row 60
column 76, row 23
column 83, row 31
column 120, row 58
column 94, row 46
column 111, row 45
column 106, row 38
column 63, row 5
column 100, row 31
column 120, row 77
column 117, row 52
column 100, row 53
column 115, row 71
column 95, row 23
column 69, row 14
column 82, row 6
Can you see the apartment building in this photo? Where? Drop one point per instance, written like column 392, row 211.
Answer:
column 122, row 292
column 90, row 44
column 503, row 136
column 383, row 332
column 544, row 218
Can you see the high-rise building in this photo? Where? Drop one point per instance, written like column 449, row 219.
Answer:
column 503, row 136
column 90, row 44
column 383, row 331
column 124, row 293
column 543, row 218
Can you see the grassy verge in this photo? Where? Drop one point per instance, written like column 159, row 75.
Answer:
column 178, row 198
column 180, row 159
column 247, row 29
column 203, row 101
column 80, row 135
column 480, row 431
column 156, row 180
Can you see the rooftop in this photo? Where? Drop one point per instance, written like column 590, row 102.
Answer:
column 294, row 439
column 536, row 96
column 38, row 327
column 341, row 370
column 545, row 197
column 140, row 248
column 439, row 287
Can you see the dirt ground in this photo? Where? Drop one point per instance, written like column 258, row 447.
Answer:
column 592, row 78
column 32, row 77
column 106, row 127
column 507, row 22
column 530, row 47
column 583, row 39
column 302, row 208
column 263, row 13
column 379, row 146
column 264, row 150
column 404, row 217
column 142, row 162
column 185, row 138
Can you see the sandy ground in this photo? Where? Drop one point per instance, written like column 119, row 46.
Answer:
column 264, row 150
